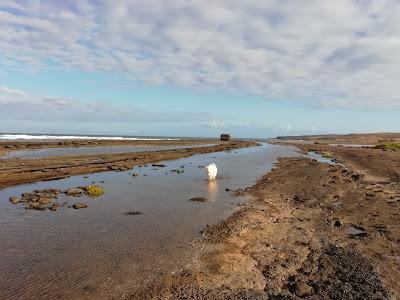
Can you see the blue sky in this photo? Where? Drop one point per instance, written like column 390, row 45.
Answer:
column 191, row 68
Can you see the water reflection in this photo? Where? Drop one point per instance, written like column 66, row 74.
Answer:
column 212, row 189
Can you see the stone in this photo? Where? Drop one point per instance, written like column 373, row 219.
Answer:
column 79, row 205
column 198, row 199
column 75, row 192
column 14, row 200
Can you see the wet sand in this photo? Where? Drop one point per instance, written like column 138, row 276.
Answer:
column 18, row 171
column 310, row 231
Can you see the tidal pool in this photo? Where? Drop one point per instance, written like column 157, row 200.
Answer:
column 100, row 251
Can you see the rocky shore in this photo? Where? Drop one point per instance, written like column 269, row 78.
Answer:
column 310, row 230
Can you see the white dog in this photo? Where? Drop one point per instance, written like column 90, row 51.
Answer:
column 211, row 171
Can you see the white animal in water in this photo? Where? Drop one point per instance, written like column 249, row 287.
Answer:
column 211, row 171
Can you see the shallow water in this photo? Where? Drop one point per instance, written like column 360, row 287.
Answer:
column 90, row 150
column 90, row 252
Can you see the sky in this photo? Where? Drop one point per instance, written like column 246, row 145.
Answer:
column 198, row 68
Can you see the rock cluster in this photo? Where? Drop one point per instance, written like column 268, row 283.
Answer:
column 38, row 199
column 44, row 199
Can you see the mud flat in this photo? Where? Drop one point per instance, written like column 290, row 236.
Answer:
column 18, row 171
column 310, row 231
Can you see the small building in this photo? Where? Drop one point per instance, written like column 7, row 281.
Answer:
column 226, row 137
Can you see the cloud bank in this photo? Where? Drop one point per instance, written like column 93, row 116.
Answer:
column 338, row 53
column 19, row 105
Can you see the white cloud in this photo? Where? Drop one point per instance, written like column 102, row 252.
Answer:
column 19, row 105
column 335, row 53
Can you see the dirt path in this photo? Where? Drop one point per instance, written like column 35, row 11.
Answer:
column 18, row 171
column 310, row 231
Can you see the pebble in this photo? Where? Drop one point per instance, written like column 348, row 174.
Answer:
column 79, row 205
column 76, row 192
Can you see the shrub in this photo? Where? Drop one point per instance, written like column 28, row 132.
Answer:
column 94, row 190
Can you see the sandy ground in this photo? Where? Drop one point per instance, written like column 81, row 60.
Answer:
column 17, row 171
column 309, row 231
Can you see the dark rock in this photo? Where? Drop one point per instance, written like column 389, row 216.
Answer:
column 159, row 165
column 133, row 213
column 79, row 205
column 198, row 199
